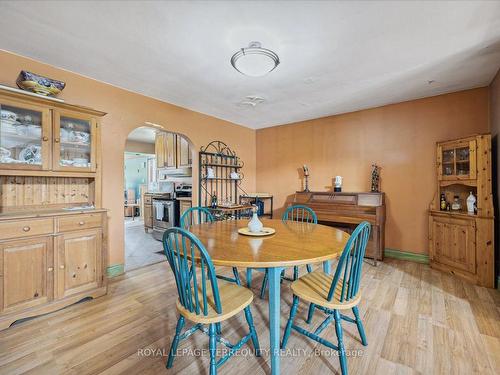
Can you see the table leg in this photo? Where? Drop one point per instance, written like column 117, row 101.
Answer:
column 326, row 267
column 274, row 317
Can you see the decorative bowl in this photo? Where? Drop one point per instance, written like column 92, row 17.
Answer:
column 38, row 84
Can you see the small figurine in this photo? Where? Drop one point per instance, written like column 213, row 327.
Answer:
column 375, row 185
column 306, row 175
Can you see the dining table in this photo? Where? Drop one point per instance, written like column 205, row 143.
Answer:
column 292, row 244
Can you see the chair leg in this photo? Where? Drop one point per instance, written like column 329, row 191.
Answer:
column 295, row 273
column 175, row 342
column 264, row 285
column 309, row 268
column 218, row 328
column 288, row 328
column 338, row 330
column 236, row 276
column 249, row 277
column 310, row 313
column 359, row 323
column 212, row 349
column 253, row 332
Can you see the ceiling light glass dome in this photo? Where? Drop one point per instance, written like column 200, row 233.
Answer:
column 255, row 61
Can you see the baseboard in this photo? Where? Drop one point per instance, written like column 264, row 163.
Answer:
column 115, row 270
column 403, row 255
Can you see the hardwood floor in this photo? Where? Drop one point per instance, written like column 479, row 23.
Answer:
column 417, row 320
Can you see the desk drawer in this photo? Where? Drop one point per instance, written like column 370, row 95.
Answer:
column 26, row 228
column 148, row 199
column 86, row 221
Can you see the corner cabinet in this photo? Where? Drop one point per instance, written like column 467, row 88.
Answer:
column 53, row 228
column 461, row 243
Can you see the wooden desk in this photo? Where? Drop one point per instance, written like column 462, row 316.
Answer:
column 293, row 244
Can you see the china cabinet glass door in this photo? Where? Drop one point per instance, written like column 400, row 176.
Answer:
column 458, row 161
column 24, row 136
column 74, row 142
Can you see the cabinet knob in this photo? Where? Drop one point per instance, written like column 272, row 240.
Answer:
column 81, row 223
column 45, row 139
column 61, row 266
column 26, row 228
column 50, row 269
column 56, row 140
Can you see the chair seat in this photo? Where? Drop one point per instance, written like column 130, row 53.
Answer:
column 233, row 298
column 314, row 287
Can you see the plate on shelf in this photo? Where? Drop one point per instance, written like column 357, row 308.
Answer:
column 266, row 231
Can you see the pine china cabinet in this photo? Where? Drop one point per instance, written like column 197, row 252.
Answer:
column 53, row 228
column 461, row 242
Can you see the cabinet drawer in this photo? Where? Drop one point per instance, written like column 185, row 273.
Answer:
column 25, row 228
column 148, row 199
column 66, row 224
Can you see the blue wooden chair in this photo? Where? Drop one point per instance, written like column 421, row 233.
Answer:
column 202, row 299
column 332, row 294
column 298, row 213
column 199, row 215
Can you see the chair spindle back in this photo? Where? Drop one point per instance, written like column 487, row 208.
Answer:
column 184, row 253
column 300, row 213
column 194, row 216
column 350, row 264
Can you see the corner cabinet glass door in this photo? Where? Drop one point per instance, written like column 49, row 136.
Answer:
column 74, row 142
column 24, row 136
column 457, row 161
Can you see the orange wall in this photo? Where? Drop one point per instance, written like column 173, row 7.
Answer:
column 495, row 132
column 126, row 111
column 400, row 138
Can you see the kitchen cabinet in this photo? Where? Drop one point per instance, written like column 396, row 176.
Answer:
column 172, row 151
column 148, row 217
column 27, row 277
column 184, row 158
column 79, row 266
column 184, row 205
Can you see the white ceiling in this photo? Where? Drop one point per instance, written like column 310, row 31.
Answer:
column 142, row 134
column 335, row 57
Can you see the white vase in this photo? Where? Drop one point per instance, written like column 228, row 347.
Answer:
column 255, row 225
column 471, row 202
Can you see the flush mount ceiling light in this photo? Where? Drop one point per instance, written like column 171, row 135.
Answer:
column 255, row 61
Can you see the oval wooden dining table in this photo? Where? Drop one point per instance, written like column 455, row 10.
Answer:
column 293, row 244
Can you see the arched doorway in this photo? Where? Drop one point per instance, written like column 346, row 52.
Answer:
column 157, row 181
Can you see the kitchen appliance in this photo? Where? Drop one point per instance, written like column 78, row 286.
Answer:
column 183, row 190
column 165, row 214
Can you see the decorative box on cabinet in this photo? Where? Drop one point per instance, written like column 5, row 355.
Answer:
column 459, row 242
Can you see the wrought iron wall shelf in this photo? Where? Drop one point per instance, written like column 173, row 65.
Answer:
column 218, row 183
